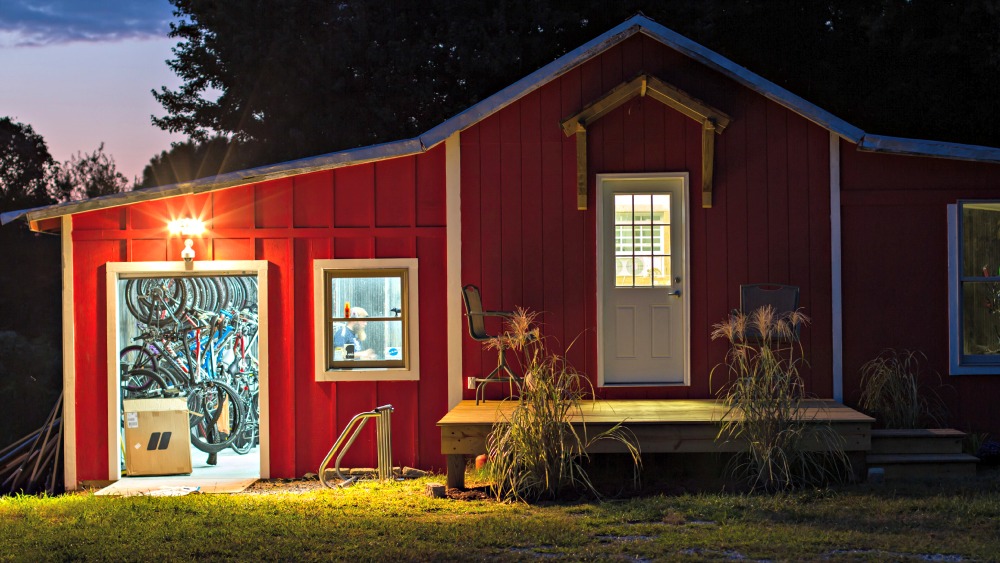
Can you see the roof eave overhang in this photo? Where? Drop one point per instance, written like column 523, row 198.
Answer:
column 37, row 217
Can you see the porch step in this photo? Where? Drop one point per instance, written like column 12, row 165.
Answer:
column 917, row 441
column 924, row 466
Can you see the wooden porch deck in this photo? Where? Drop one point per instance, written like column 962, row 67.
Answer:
column 661, row 426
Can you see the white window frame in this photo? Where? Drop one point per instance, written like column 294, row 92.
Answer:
column 410, row 370
column 960, row 363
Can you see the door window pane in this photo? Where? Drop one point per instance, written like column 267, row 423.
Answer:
column 642, row 240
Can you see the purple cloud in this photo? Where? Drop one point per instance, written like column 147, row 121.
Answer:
column 46, row 22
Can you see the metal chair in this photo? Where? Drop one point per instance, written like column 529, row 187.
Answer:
column 782, row 298
column 477, row 330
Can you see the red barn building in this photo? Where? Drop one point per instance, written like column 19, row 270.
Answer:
column 719, row 177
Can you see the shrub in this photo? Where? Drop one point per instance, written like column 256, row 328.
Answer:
column 891, row 391
column 538, row 452
column 765, row 402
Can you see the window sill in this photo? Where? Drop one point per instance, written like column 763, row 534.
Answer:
column 368, row 374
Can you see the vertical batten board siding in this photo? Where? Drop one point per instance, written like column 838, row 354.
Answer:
column 287, row 223
column 532, row 284
column 819, row 299
column 431, row 188
column 579, row 88
column 797, row 235
column 491, row 235
column 68, row 356
column 281, row 400
column 433, row 396
column 232, row 208
column 92, row 410
column 512, row 218
column 777, row 193
column 354, row 196
column 552, row 214
column 757, row 182
column 762, row 226
column 312, row 200
column 471, row 257
column 889, row 202
column 395, row 192
column 453, row 303
column 836, row 293
column 315, row 407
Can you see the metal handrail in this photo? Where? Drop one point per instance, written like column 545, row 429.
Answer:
column 383, row 431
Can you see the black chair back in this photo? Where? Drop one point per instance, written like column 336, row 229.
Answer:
column 783, row 298
column 474, row 312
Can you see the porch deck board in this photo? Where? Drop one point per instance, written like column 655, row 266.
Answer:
column 660, row 426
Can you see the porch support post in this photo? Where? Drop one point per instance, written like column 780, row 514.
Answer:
column 707, row 161
column 456, row 471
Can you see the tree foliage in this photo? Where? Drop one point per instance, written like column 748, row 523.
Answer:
column 190, row 160
column 90, row 175
column 26, row 167
column 304, row 77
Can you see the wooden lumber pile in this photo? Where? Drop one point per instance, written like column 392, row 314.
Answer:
column 31, row 464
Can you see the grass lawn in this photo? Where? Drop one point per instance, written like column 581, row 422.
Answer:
column 956, row 521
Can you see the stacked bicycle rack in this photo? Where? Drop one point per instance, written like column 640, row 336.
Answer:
column 195, row 337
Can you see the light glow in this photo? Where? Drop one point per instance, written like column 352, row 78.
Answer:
column 186, row 227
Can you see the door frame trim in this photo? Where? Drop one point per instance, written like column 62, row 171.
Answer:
column 115, row 271
column 686, row 262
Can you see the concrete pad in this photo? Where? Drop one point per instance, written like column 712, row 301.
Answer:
column 232, row 474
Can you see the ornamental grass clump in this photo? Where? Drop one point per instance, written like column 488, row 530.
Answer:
column 892, row 393
column 540, row 450
column 765, row 405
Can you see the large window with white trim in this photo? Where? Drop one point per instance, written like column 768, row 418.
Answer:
column 974, row 286
column 366, row 317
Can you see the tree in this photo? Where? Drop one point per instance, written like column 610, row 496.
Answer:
column 25, row 167
column 304, row 77
column 190, row 160
column 85, row 176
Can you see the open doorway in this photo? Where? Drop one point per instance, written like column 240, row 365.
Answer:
column 193, row 337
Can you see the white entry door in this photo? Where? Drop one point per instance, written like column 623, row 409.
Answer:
column 642, row 269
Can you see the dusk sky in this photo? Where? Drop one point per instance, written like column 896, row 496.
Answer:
column 80, row 73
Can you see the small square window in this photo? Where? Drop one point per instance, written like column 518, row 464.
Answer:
column 366, row 318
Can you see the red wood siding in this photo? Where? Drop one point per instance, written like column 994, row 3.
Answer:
column 391, row 209
column 895, row 256
column 525, row 243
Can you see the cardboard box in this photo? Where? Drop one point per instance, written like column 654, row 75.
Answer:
column 157, row 437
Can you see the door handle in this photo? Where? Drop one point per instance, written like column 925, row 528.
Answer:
column 675, row 293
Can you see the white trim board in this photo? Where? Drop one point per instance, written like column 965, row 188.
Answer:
column 453, row 284
column 115, row 271
column 68, row 357
column 836, row 281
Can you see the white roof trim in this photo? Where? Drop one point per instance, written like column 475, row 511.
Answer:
column 918, row 147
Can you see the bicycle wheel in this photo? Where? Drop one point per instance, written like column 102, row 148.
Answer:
column 136, row 357
column 248, row 435
column 142, row 384
column 155, row 301
column 216, row 416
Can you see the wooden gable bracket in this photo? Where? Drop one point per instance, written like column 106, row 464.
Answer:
column 713, row 122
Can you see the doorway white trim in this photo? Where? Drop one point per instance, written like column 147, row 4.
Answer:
column 686, row 262
column 180, row 269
